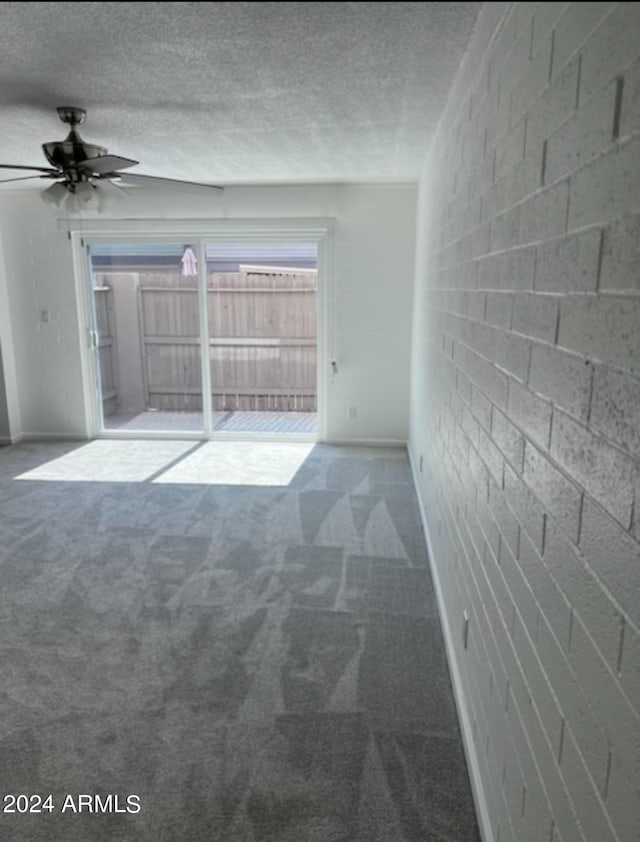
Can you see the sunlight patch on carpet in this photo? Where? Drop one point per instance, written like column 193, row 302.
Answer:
column 110, row 461
column 239, row 463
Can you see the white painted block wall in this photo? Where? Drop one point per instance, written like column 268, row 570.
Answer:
column 526, row 411
column 372, row 280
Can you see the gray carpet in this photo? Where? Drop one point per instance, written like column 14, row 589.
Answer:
column 256, row 664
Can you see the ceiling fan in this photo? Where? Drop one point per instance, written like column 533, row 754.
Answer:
column 81, row 170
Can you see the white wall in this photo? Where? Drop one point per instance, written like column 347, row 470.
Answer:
column 526, row 410
column 46, row 373
column 370, row 317
column 10, row 424
column 5, row 426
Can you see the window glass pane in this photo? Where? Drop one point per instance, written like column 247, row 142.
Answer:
column 263, row 337
column 145, row 300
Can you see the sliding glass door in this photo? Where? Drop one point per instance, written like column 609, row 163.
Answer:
column 147, row 336
column 235, row 321
column 263, row 337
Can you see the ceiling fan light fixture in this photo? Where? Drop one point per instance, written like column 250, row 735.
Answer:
column 55, row 195
column 87, row 196
column 111, row 190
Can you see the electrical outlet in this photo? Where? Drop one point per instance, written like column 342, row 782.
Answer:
column 45, row 317
column 353, row 412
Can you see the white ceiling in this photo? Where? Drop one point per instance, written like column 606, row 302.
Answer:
column 234, row 92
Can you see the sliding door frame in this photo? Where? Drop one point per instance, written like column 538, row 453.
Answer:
column 198, row 233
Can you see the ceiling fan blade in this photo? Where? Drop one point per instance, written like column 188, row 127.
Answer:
column 104, row 164
column 47, row 170
column 138, row 180
column 22, row 178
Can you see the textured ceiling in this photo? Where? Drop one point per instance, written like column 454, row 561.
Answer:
column 234, row 92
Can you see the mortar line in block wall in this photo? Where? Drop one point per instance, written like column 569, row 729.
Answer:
column 580, row 516
column 607, row 777
column 561, row 740
column 621, row 645
column 601, row 250
column 592, row 379
column 570, row 634
column 617, row 109
column 566, row 218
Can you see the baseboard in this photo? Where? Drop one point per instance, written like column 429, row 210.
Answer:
column 367, row 442
column 477, row 788
column 146, row 434
column 47, row 437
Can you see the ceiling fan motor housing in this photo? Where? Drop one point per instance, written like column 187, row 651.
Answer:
column 71, row 115
column 68, row 153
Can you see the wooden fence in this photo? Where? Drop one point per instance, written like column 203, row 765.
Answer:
column 262, row 346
